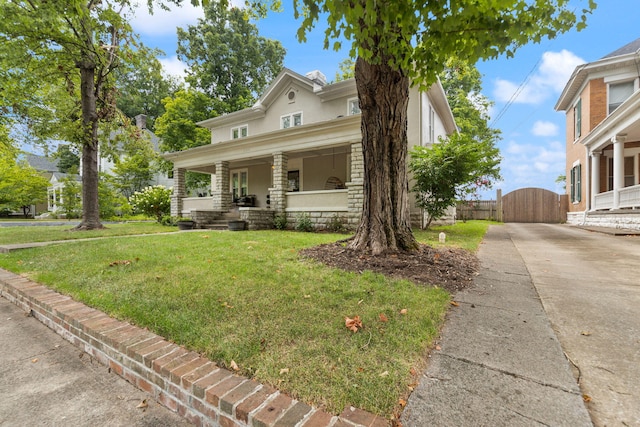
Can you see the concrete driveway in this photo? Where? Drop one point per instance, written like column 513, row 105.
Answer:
column 589, row 284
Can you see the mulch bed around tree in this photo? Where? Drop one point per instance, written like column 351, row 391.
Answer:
column 449, row 268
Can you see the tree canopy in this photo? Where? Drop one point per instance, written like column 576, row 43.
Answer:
column 58, row 62
column 227, row 59
column 20, row 185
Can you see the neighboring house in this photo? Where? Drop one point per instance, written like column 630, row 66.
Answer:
column 106, row 164
column 602, row 103
column 47, row 167
column 55, row 191
column 296, row 150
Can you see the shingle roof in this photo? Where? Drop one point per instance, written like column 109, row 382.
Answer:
column 42, row 163
column 632, row 47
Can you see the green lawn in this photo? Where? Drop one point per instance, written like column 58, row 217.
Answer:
column 248, row 297
column 27, row 234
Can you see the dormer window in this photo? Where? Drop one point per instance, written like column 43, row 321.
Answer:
column 290, row 120
column 618, row 93
column 353, row 107
column 240, row 132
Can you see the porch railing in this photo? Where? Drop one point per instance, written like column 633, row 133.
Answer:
column 321, row 200
column 603, row 201
column 197, row 203
column 630, row 197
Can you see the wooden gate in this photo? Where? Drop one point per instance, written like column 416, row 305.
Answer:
column 534, row 205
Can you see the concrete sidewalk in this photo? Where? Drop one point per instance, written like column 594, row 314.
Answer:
column 499, row 363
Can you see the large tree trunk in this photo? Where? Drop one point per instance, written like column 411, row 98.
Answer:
column 90, row 207
column 384, row 96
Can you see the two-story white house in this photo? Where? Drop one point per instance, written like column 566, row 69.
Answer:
column 297, row 149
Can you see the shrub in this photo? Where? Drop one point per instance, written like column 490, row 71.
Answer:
column 337, row 224
column 280, row 221
column 303, row 222
column 153, row 201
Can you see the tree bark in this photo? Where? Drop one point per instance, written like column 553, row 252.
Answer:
column 385, row 224
column 90, row 207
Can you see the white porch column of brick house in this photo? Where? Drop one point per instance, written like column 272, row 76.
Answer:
column 221, row 194
column 179, row 191
column 618, row 168
column 595, row 177
column 280, row 182
column 355, row 197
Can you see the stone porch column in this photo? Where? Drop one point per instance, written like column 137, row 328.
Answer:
column 280, row 182
column 179, row 191
column 355, row 196
column 618, row 167
column 221, row 194
column 595, row 177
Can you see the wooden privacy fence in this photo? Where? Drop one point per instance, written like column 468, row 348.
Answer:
column 477, row 209
column 534, row 205
column 524, row 205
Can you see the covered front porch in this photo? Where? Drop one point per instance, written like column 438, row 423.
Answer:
column 613, row 168
column 310, row 170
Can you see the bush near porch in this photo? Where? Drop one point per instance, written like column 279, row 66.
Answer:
column 248, row 298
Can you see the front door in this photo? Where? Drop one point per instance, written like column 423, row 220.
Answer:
column 239, row 183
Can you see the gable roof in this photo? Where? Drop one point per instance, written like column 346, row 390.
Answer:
column 41, row 163
column 632, row 47
column 283, row 80
column 628, row 54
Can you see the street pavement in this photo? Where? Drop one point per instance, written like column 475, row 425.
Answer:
column 46, row 381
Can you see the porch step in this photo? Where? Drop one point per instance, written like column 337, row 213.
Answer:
column 219, row 224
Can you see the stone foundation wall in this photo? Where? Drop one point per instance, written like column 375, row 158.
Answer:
column 257, row 219
column 323, row 220
column 621, row 219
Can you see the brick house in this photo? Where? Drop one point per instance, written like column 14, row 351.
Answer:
column 602, row 105
column 296, row 150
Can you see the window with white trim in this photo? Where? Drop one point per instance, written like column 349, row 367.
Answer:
column 291, row 120
column 577, row 119
column 618, row 93
column 240, row 132
column 353, row 107
column 576, row 183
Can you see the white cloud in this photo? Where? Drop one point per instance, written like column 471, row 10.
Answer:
column 549, row 79
column 173, row 66
column 542, row 128
column 557, row 67
column 532, row 165
column 165, row 22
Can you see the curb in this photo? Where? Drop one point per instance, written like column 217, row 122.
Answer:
column 181, row 380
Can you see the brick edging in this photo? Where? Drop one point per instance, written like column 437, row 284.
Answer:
column 181, row 380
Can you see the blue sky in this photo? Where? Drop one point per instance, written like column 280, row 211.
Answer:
column 524, row 88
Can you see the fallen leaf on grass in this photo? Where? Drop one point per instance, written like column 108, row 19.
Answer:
column 413, row 371
column 403, row 311
column 586, row 398
column 353, row 324
column 34, row 360
column 384, row 374
column 438, row 348
column 284, row 371
column 205, row 237
column 233, row 365
column 402, row 402
column 453, row 303
column 585, row 333
column 143, row 404
column 383, row 317
column 120, row 262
